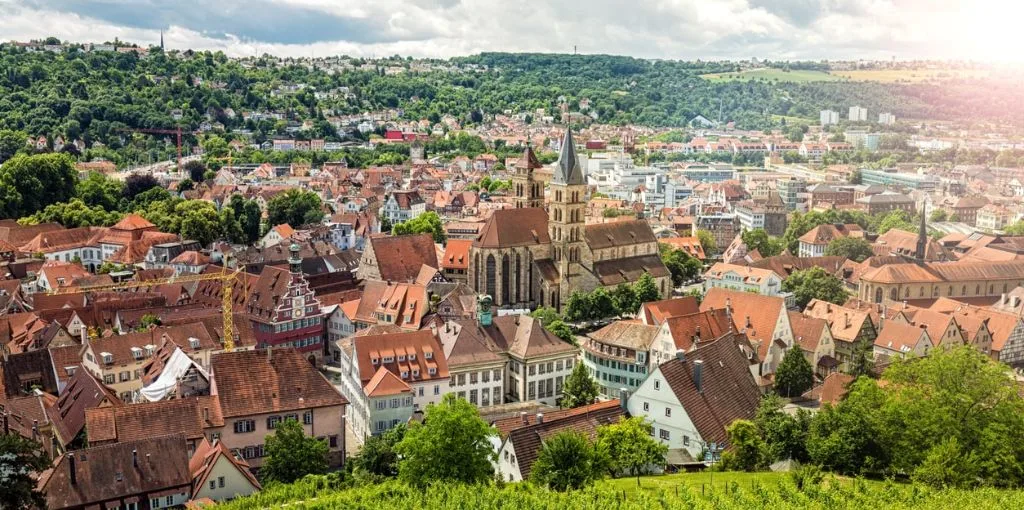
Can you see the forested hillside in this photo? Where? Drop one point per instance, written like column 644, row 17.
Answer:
column 98, row 96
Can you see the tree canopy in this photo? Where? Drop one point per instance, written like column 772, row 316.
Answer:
column 856, row 249
column 568, row 461
column 21, row 460
column 291, row 454
column 630, row 448
column 30, row 183
column 426, row 223
column 580, row 388
column 794, row 375
column 815, row 283
column 451, row 445
column 295, row 207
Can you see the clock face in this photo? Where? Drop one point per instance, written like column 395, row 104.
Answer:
column 297, row 313
column 298, row 303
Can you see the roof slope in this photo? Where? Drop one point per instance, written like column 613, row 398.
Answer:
column 256, row 382
column 399, row 258
column 728, row 391
column 529, row 440
column 514, row 227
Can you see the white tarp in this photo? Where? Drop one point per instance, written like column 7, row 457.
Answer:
column 176, row 367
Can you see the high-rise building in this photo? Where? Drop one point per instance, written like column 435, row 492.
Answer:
column 858, row 114
column 886, row 118
column 829, row 117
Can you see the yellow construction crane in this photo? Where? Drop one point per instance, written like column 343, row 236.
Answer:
column 226, row 276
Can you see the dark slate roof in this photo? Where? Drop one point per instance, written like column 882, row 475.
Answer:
column 616, row 271
column 106, row 474
column 528, row 440
column 619, row 233
column 568, row 170
column 728, row 393
column 34, row 367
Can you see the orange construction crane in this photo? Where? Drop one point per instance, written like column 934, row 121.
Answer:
column 176, row 131
column 226, row 276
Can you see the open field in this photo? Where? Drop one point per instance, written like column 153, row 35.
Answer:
column 772, row 74
column 878, row 75
column 910, row 75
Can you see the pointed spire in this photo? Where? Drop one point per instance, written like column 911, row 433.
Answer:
column 161, row 39
column 529, row 160
column 568, row 170
column 922, row 235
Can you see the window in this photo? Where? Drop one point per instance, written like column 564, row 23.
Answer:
column 473, row 378
column 473, row 397
column 532, row 370
column 686, row 440
column 169, row 501
column 382, row 404
column 647, row 407
column 485, row 376
column 332, row 441
column 213, row 484
column 108, row 379
column 657, row 384
column 394, row 403
column 531, row 392
column 437, row 390
column 272, row 422
column 462, row 379
column 154, row 503
column 668, row 412
column 663, row 434
column 307, row 418
column 243, row 426
column 124, row 376
column 432, row 370
column 220, row 481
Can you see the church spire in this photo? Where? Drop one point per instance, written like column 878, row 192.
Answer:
column 568, row 170
column 922, row 235
column 161, row 39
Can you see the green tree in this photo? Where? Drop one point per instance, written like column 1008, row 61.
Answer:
column 1016, row 229
column 625, row 299
column 897, row 219
column 377, row 456
column 567, row 461
column 646, row 289
column 947, row 465
column 546, row 315
column 451, row 445
column 938, row 215
column 426, row 223
column 707, row 242
column 295, row 207
column 248, row 215
column 815, row 283
column 758, row 239
column 186, row 184
column 30, row 183
column 148, row 320
column 578, row 307
column 794, row 375
column 562, row 330
column 630, row 447
column 98, row 190
column 680, row 264
column 11, row 142
column 291, row 454
column 748, row 449
column 856, row 177
column 600, row 304
column 784, row 435
column 856, row 249
column 580, row 388
column 21, row 460
column 74, row 214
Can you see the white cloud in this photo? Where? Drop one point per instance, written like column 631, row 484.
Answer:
column 441, row 28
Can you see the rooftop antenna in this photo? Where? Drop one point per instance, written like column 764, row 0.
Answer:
column 573, row 49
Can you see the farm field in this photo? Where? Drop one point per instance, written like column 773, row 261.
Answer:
column 772, row 74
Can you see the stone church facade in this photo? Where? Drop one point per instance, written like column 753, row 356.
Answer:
column 528, row 257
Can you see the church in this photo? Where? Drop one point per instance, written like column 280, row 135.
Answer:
column 527, row 257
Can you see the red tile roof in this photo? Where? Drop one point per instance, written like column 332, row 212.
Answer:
column 255, row 382
column 407, row 351
column 399, row 258
column 456, row 254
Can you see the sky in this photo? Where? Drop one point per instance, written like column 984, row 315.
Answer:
column 985, row 30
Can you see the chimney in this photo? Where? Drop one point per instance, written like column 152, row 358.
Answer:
column 698, row 375
column 749, row 325
column 1002, row 299
column 35, row 430
column 526, row 421
column 135, row 457
column 206, row 414
column 680, row 355
column 623, row 398
column 728, row 306
column 71, row 469
column 697, row 334
column 270, row 352
column 828, row 307
column 846, row 317
column 540, row 417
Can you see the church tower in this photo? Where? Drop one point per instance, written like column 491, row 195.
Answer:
column 565, row 215
column 529, row 192
column 922, row 236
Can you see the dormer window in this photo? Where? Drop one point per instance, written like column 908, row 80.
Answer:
column 415, row 372
column 193, row 343
column 412, row 356
column 405, row 374
column 374, row 361
column 149, row 349
column 432, row 371
column 401, row 357
column 389, row 359
column 107, row 357
column 136, row 353
column 428, row 355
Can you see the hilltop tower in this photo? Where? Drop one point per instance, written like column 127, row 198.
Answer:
column 565, row 215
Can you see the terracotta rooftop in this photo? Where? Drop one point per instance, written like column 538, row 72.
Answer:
column 514, row 227
column 138, row 421
column 655, row 312
column 255, row 382
column 384, row 383
column 456, row 254
column 528, row 440
column 399, row 258
column 416, row 353
column 753, row 314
